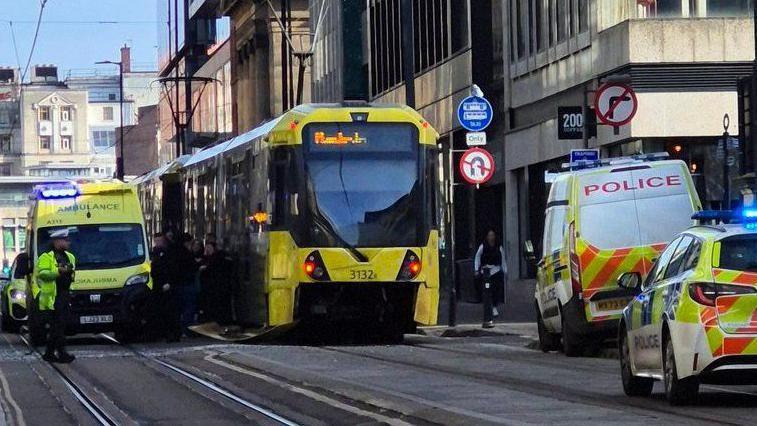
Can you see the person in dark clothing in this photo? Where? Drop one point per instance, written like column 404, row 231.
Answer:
column 188, row 269
column 215, row 276
column 164, row 273
column 491, row 256
column 56, row 273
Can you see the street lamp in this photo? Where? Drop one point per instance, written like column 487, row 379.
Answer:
column 120, row 158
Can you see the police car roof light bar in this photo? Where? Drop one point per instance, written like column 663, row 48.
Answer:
column 585, row 164
column 747, row 216
column 56, row 190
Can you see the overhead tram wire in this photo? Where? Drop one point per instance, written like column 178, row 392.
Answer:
column 85, row 22
column 15, row 44
column 43, row 3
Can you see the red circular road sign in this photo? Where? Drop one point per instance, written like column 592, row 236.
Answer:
column 615, row 104
column 477, row 166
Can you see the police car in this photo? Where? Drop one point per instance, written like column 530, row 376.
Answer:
column 13, row 296
column 694, row 319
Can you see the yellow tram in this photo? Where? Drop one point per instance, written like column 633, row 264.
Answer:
column 330, row 212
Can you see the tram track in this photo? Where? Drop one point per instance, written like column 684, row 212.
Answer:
column 206, row 384
column 556, row 391
column 88, row 402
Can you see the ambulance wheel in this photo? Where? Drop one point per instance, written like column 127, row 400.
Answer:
column 572, row 344
column 547, row 341
column 632, row 385
column 678, row 391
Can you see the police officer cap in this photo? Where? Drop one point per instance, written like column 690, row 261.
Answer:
column 59, row 234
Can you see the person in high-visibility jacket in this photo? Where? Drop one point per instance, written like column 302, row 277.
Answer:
column 55, row 275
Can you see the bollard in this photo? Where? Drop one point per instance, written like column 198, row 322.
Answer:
column 486, row 300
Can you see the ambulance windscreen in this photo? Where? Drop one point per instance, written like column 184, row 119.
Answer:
column 634, row 208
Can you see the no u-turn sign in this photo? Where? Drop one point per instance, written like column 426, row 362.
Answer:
column 477, row 166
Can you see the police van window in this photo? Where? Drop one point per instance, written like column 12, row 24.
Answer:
column 692, row 256
column 678, row 256
column 622, row 209
column 658, row 272
column 557, row 228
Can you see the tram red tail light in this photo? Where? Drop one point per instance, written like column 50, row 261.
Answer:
column 314, row 267
column 411, row 267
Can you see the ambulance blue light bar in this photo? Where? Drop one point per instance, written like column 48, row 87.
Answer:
column 57, row 190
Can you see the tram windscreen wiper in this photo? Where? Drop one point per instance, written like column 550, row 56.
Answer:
column 328, row 228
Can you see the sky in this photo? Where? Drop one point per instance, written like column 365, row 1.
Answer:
column 78, row 45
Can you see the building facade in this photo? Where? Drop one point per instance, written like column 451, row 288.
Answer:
column 104, row 105
column 10, row 122
column 266, row 70
column 683, row 58
column 54, row 127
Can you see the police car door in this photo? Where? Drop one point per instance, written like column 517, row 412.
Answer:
column 645, row 338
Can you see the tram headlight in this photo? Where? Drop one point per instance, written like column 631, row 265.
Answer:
column 138, row 279
column 314, row 267
column 411, row 267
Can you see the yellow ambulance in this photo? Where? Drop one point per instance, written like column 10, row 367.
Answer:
column 612, row 217
column 112, row 282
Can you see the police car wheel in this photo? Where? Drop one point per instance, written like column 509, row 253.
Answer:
column 8, row 324
column 678, row 391
column 632, row 385
column 547, row 341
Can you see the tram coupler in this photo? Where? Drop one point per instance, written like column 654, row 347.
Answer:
column 486, row 296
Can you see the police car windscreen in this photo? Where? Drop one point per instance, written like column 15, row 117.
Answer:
column 101, row 246
column 739, row 253
column 635, row 207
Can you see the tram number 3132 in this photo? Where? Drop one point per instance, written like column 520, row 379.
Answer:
column 362, row 274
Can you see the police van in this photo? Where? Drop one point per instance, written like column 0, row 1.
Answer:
column 604, row 218
column 112, row 278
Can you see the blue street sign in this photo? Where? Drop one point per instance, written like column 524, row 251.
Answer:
column 475, row 113
column 577, row 155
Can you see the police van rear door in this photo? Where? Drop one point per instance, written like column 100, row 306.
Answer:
column 626, row 215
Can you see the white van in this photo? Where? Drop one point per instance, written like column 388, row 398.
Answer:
column 600, row 223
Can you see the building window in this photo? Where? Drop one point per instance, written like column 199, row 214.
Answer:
column 431, row 33
column 103, row 138
column 5, row 117
column 65, row 113
column 583, row 15
column 22, row 234
column 520, row 28
column 561, row 13
column 9, row 235
column 65, row 143
column 539, row 27
column 385, row 41
column 5, row 169
column 728, row 8
column 44, row 113
column 107, row 113
column 111, row 96
column 668, row 8
column 44, row 143
column 5, row 144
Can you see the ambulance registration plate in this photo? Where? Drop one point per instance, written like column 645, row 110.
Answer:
column 96, row 319
column 612, row 304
